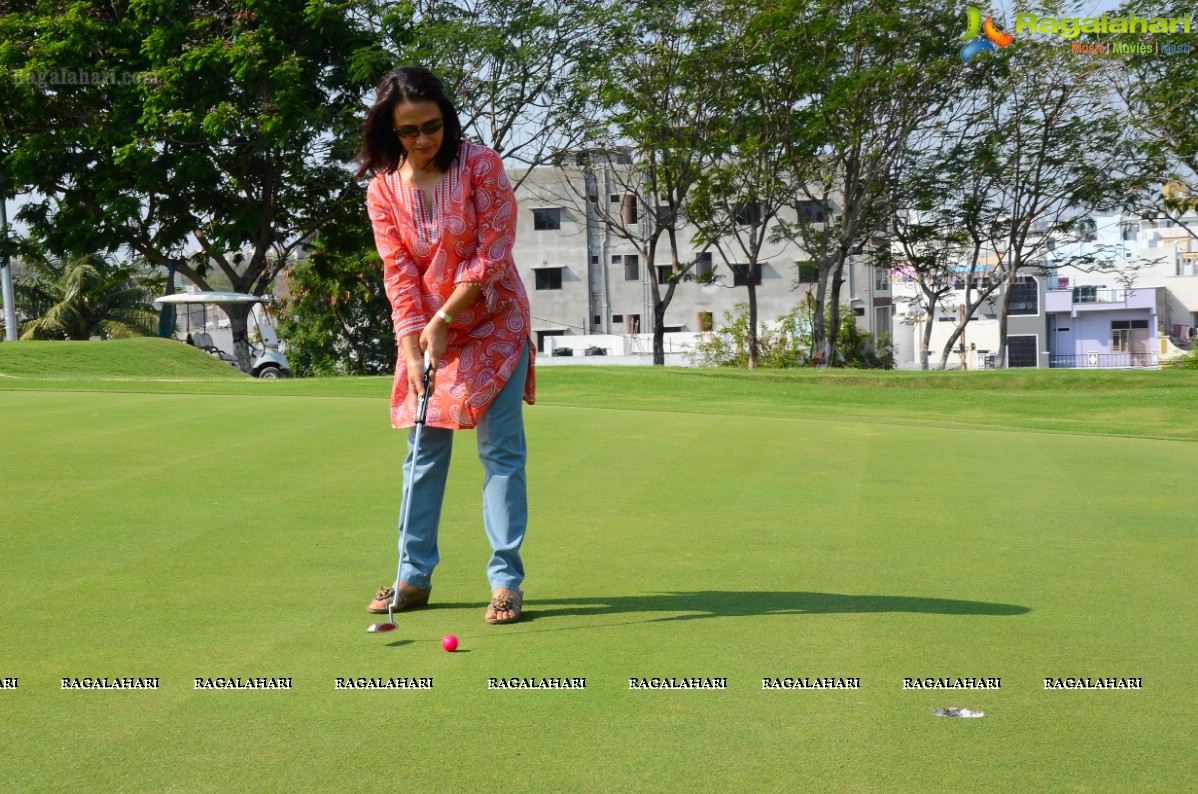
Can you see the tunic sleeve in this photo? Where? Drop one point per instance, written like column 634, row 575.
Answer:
column 495, row 219
column 401, row 276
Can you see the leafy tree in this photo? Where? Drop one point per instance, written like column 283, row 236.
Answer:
column 1158, row 90
column 651, row 110
column 224, row 124
column 336, row 315
column 940, row 225
column 1050, row 138
column 860, row 79
column 744, row 184
column 86, row 296
column 1030, row 144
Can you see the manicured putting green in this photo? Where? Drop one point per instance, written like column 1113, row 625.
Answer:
column 744, row 528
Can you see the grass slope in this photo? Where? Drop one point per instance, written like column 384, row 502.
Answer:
column 684, row 524
column 145, row 357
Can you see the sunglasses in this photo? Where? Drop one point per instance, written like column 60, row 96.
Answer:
column 427, row 128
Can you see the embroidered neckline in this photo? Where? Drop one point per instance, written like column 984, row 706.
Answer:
column 427, row 219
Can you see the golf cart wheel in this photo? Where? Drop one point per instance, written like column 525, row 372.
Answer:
column 272, row 372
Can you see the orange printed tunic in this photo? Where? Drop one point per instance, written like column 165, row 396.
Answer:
column 462, row 234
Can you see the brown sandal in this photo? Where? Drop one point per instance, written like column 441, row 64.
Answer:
column 408, row 597
column 505, row 603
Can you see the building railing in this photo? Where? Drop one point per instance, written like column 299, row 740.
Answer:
column 1104, row 361
column 1093, row 294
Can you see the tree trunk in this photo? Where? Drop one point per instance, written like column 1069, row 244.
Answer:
column 239, row 325
column 659, row 333
column 752, row 320
column 1000, row 359
column 819, row 329
column 924, row 362
column 928, row 325
column 830, row 341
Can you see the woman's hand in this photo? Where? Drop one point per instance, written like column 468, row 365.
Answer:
column 434, row 338
column 413, row 357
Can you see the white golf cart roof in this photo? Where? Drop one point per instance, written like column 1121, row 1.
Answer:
column 213, row 297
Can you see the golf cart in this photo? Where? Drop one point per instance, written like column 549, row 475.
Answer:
column 266, row 361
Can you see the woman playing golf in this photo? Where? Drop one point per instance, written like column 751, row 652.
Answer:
column 444, row 219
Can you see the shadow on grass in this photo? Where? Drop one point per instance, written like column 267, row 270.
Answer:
column 717, row 604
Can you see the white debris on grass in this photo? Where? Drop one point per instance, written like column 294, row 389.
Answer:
column 953, row 711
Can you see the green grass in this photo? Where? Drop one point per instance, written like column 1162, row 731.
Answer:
column 143, row 358
column 685, row 523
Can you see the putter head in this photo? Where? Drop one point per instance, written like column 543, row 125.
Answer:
column 389, row 625
column 391, row 619
column 377, row 627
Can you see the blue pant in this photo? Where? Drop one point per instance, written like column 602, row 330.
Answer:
column 502, row 450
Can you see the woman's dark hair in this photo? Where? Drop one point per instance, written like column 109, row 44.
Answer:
column 382, row 149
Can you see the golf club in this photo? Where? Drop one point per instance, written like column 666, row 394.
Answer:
column 421, row 412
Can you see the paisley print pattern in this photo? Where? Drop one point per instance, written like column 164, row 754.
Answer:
column 462, row 233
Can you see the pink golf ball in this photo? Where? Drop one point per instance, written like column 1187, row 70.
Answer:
column 449, row 643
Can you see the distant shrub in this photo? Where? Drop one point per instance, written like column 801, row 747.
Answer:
column 787, row 343
column 779, row 346
column 1188, row 361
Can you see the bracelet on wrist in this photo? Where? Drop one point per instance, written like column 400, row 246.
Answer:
column 448, row 318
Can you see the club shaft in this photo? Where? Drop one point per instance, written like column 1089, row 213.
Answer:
column 410, row 476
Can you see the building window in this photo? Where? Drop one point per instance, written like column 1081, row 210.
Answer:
column 665, row 273
column 1021, row 352
column 548, row 277
column 1025, row 296
column 1121, row 334
column 1120, row 339
column 617, row 318
column 881, row 280
column 629, row 209
column 811, row 212
column 705, row 321
column 749, row 214
column 808, row 272
column 547, row 219
column 882, row 319
column 703, row 266
column 740, row 275
column 633, row 324
column 632, row 267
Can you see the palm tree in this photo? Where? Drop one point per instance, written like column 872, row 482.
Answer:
column 86, row 296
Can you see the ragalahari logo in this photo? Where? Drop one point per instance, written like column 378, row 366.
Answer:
column 977, row 46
